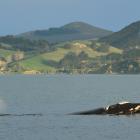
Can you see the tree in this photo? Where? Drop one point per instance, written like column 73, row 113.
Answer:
column 83, row 56
column 69, row 61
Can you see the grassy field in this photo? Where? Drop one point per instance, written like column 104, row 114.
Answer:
column 115, row 50
column 37, row 62
column 6, row 53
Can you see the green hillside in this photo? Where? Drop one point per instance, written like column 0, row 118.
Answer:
column 5, row 53
column 71, row 31
column 125, row 38
column 79, row 56
column 116, row 53
column 50, row 61
column 18, row 43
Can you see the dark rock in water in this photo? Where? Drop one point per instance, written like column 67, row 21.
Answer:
column 123, row 108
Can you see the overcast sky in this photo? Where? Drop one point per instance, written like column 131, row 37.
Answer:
column 19, row 16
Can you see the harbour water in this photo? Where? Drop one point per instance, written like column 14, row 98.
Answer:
column 54, row 96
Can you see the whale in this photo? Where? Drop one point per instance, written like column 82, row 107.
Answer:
column 20, row 115
column 121, row 108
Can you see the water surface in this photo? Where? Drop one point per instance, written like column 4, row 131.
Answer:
column 56, row 96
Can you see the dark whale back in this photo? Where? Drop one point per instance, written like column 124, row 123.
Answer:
column 91, row 112
column 123, row 108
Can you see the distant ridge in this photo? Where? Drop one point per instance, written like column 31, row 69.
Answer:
column 125, row 38
column 68, row 32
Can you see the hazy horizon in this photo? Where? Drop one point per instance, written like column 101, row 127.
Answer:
column 20, row 16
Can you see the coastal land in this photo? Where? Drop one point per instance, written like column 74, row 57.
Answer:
column 75, row 48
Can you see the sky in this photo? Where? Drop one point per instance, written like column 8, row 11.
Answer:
column 18, row 16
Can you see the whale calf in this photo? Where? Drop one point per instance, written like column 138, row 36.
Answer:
column 122, row 108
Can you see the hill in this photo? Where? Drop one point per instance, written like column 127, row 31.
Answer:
column 18, row 43
column 125, row 38
column 32, row 53
column 85, row 56
column 71, row 31
column 66, row 54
